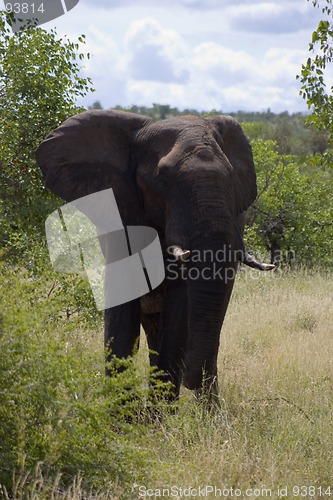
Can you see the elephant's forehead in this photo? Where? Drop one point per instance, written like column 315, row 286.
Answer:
column 184, row 128
column 186, row 133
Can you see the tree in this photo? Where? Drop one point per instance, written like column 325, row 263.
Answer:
column 39, row 84
column 292, row 216
column 313, row 73
column 96, row 105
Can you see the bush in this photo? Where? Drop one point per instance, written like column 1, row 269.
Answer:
column 60, row 417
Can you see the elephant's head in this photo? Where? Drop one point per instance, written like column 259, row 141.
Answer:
column 190, row 178
column 196, row 177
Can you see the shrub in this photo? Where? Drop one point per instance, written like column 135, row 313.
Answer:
column 59, row 414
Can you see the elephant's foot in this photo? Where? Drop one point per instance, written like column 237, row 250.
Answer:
column 208, row 394
column 205, row 388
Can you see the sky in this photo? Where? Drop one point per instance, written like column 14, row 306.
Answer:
column 227, row 55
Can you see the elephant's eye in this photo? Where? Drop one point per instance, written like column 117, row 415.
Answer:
column 162, row 179
column 164, row 173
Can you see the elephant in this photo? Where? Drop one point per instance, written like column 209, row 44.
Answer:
column 191, row 179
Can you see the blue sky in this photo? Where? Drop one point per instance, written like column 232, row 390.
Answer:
column 227, row 55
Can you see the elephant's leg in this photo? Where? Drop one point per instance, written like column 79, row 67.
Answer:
column 151, row 305
column 150, row 323
column 173, row 333
column 121, row 330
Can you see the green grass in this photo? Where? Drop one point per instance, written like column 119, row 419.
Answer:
column 67, row 433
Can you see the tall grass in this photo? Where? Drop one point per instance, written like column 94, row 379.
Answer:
column 276, row 381
column 66, row 431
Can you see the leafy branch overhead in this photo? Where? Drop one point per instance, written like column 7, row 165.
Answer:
column 314, row 73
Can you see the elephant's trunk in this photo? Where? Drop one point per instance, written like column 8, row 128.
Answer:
column 208, row 297
column 206, row 230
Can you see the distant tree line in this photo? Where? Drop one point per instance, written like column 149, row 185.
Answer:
column 290, row 131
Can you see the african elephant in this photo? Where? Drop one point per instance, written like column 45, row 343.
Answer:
column 191, row 179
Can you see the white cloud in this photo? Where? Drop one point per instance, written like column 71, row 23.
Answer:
column 203, row 54
column 201, row 5
column 280, row 66
column 156, row 52
column 226, row 65
column 271, row 17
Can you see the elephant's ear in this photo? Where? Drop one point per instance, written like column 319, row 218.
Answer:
column 93, row 151
column 238, row 150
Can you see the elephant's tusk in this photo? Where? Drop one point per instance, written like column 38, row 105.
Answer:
column 180, row 254
column 267, row 267
column 251, row 262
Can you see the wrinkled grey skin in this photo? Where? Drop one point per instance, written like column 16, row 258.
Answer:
column 189, row 178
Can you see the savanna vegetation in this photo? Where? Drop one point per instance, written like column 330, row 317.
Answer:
column 67, row 431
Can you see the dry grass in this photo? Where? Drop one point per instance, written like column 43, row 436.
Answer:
column 276, row 380
column 274, row 429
